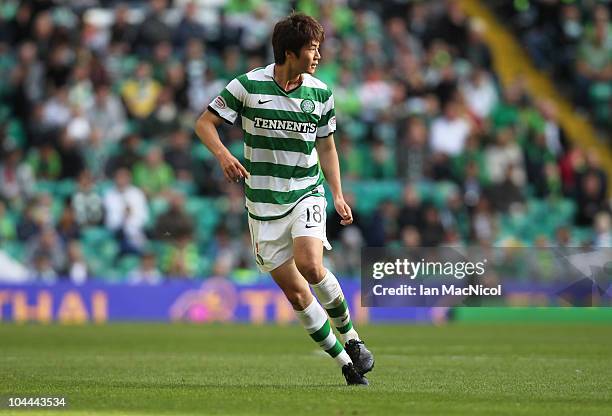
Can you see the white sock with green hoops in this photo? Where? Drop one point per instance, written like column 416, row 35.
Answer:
column 330, row 295
column 315, row 321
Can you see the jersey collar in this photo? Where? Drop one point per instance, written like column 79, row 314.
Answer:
column 269, row 71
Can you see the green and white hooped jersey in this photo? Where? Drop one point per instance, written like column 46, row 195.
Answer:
column 280, row 129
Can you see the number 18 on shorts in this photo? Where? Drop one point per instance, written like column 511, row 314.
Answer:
column 273, row 240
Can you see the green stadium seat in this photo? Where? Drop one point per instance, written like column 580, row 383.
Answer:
column 237, row 149
column 65, row 188
column 44, row 186
column 200, row 152
column 186, row 187
column 102, row 186
column 157, row 206
column 126, row 264
column 100, row 249
column 16, row 132
column 15, row 249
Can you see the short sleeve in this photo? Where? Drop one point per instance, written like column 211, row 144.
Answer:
column 327, row 123
column 228, row 104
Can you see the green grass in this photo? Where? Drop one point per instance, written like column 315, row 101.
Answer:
column 508, row 369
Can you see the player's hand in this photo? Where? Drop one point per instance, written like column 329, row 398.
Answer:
column 232, row 169
column 343, row 209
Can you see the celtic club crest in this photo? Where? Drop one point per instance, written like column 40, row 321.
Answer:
column 307, row 106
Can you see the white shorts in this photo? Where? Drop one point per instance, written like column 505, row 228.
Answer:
column 273, row 240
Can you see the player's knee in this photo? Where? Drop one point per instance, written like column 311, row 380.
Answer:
column 299, row 299
column 312, row 271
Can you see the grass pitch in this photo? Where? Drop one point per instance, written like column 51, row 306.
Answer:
column 509, row 369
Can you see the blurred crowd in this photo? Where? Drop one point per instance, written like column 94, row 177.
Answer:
column 572, row 40
column 101, row 175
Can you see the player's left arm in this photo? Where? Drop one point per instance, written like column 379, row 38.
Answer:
column 328, row 157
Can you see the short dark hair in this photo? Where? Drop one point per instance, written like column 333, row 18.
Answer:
column 293, row 33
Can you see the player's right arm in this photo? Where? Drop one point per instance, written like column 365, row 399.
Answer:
column 224, row 108
column 206, row 129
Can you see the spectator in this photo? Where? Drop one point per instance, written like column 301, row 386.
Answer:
column 480, row 93
column 570, row 165
column 127, row 155
column 410, row 213
column 502, row 154
column 47, row 245
column 72, row 159
column 453, row 27
column 27, row 81
column 16, row 179
column 107, row 114
column 140, row 93
column 189, row 27
column 175, row 223
column 537, row 155
column 181, row 259
column 199, row 79
column 21, row 26
column 589, row 198
column 81, row 90
column 153, row 175
column 554, row 134
column 432, row 231
column 563, row 238
column 411, row 237
column 449, row 132
column 382, row 163
column 122, row 31
column 86, row 202
column 57, row 112
column 506, row 194
column 153, row 28
column 594, row 63
column 147, row 272
column 164, row 119
column 31, row 223
column 473, row 153
column 383, row 225
column 67, row 227
column 549, row 184
column 97, row 155
column 42, row 269
column 477, row 51
column 43, row 31
column 76, row 267
column 59, row 61
column 126, row 213
column 483, row 223
column 179, row 156
column 603, row 230
column 593, row 165
column 162, row 55
column 224, row 252
column 37, row 131
column 455, row 217
column 176, row 82
column 45, row 162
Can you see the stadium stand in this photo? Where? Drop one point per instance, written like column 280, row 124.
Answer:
column 98, row 157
